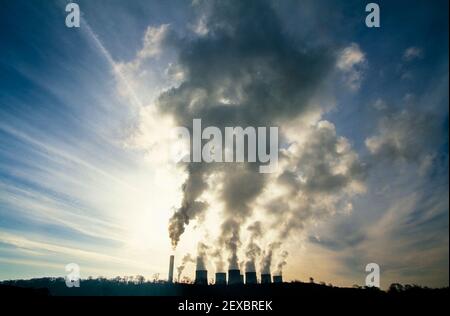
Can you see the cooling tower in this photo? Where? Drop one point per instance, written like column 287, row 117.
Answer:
column 170, row 279
column 250, row 277
column 221, row 278
column 265, row 278
column 277, row 279
column 201, row 277
column 234, row 276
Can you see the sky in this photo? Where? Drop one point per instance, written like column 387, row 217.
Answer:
column 86, row 115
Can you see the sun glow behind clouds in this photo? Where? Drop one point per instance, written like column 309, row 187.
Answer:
column 155, row 182
column 112, row 195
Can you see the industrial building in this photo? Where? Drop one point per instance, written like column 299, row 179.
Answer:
column 234, row 276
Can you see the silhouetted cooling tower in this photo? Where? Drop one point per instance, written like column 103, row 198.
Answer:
column 221, row 278
column 170, row 279
column 234, row 276
column 250, row 277
column 277, row 279
column 265, row 278
column 201, row 277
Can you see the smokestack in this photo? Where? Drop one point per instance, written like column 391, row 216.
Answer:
column 265, row 278
column 201, row 277
column 221, row 278
column 278, row 279
column 170, row 279
column 250, row 278
column 234, row 276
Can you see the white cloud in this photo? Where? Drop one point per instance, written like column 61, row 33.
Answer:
column 350, row 57
column 352, row 62
column 412, row 53
column 405, row 136
column 200, row 28
column 153, row 41
column 380, row 104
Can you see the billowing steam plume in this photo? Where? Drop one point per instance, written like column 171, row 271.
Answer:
column 218, row 259
column 264, row 79
column 190, row 206
column 201, row 256
column 267, row 257
column 186, row 259
column 244, row 77
column 281, row 262
column 253, row 250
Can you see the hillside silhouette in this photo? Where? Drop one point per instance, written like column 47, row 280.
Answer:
column 124, row 295
column 138, row 286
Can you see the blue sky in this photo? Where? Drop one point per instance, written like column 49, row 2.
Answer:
column 79, row 119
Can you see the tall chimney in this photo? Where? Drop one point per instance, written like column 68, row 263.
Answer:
column 265, row 278
column 221, row 278
column 201, row 277
column 234, row 276
column 278, row 279
column 170, row 279
column 250, row 277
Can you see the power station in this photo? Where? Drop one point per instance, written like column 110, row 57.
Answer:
column 234, row 276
